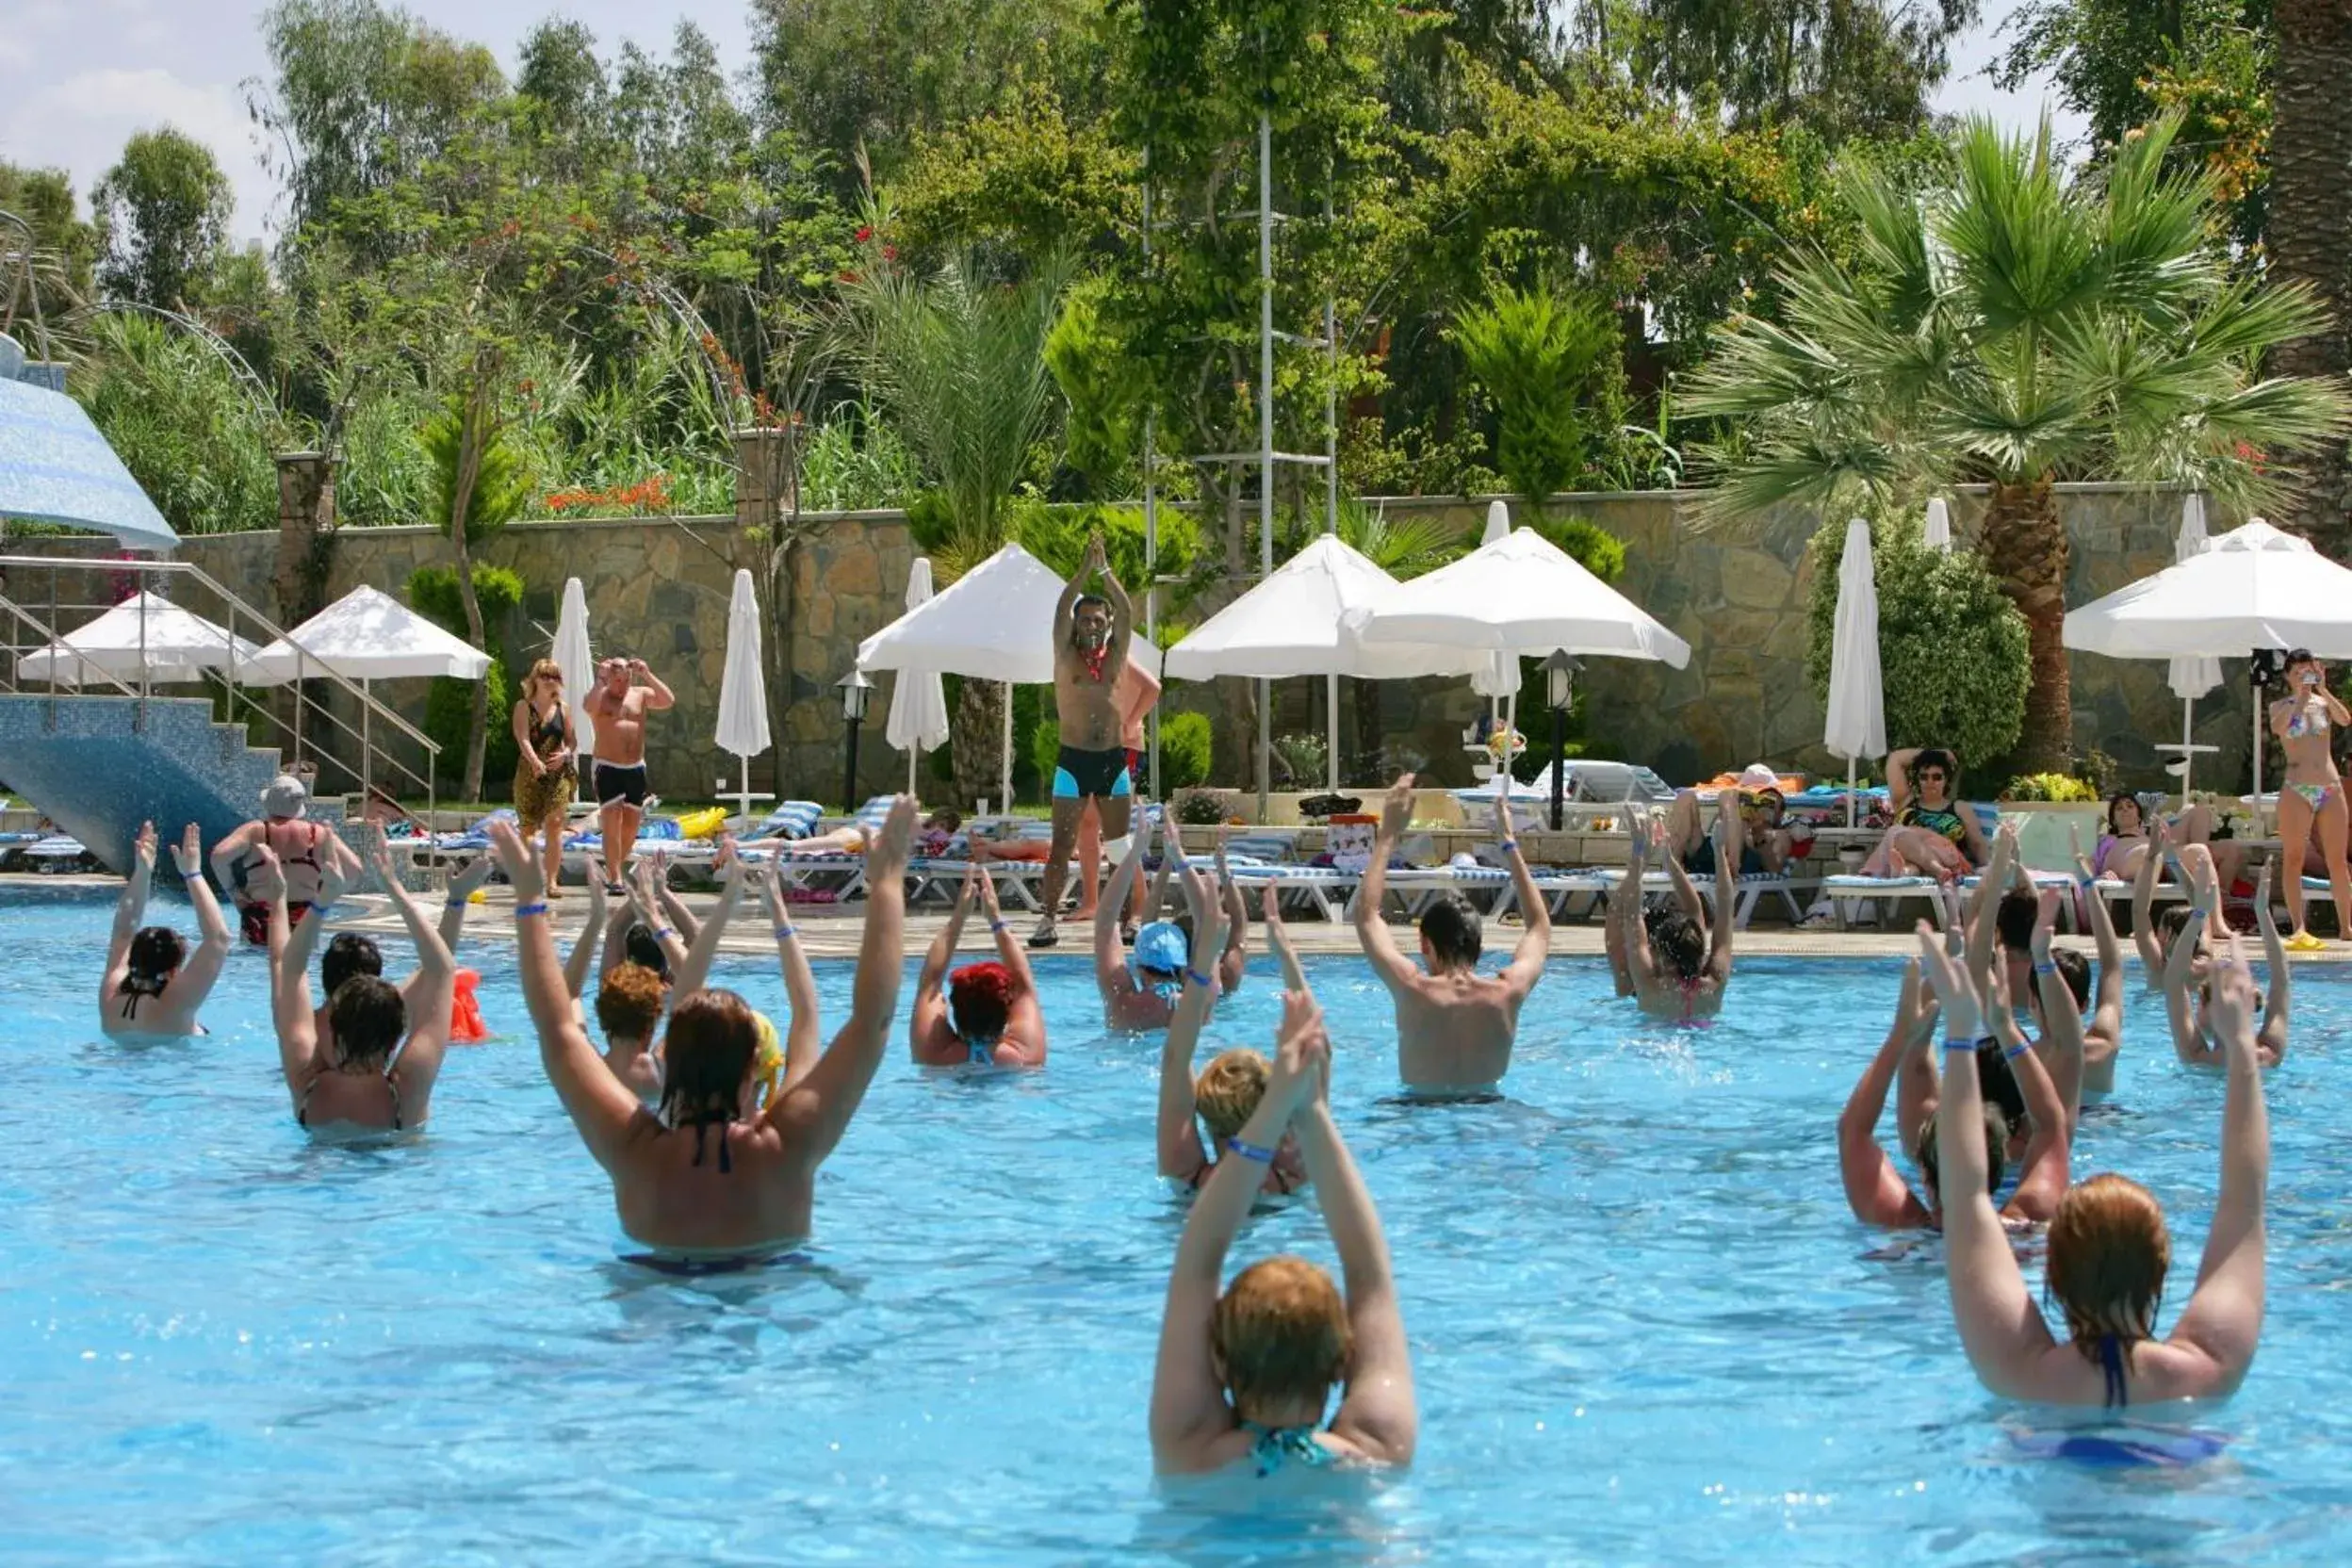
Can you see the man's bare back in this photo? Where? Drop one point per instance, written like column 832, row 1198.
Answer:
column 1455, row 1031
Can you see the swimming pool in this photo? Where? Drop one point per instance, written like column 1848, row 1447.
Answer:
column 1644, row 1327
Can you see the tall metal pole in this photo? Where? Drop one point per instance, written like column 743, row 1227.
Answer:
column 1330, row 490
column 1266, row 425
column 1150, row 510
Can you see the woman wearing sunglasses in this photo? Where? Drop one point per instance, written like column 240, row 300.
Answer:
column 1936, row 833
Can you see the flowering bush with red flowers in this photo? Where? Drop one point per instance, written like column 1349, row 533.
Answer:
column 649, row 494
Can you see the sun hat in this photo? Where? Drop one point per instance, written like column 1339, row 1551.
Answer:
column 285, row 797
column 1161, row 946
column 1756, row 776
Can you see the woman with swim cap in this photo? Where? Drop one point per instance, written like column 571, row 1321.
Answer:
column 986, row 1014
column 2108, row 1247
column 701, row 1182
column 151, row 986
column 362, row 1075
column 1226, row 1095
column 1245, row 1376
column 1142, row 994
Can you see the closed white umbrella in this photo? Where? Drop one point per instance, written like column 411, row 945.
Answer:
column 1858, row 702
column 1498, row 679
column 994, row 623
column 918, row 721
column 1938, row 534
column 2190, row 675
column 572, row 656
column 142, row 634
column 2254, row 587
column 742, row 687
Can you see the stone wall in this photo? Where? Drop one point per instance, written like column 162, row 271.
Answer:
column 658, row 588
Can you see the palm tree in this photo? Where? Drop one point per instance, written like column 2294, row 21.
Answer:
column 2311, row 220
column 2014, row 327
column 959, row 367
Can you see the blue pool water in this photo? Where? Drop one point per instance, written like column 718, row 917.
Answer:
column 1645, row 1329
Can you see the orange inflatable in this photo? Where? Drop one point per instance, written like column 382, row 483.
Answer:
column 465, row 1025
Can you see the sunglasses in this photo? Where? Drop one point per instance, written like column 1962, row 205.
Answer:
column 1933, row 776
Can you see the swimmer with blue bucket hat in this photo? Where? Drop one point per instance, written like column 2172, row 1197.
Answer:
column 1140, row 991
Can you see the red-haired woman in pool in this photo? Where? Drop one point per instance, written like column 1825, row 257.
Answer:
column 984, row 1013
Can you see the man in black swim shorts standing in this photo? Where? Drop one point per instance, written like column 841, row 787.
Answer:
column 1091, row 634
column 626, row 692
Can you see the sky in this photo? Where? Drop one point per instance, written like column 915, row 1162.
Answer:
column 78, row 77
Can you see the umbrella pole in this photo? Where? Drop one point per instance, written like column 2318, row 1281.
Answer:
column 2259, row 830
column 2188, row 758
column 913, row 754
column 1850, row 813
column 366, row 737
column 1331, row 737
column 1006, row 804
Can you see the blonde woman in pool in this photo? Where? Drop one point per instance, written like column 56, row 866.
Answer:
column 2108, row 1248
column 700, row 1181
column 1246, row 1376
column 1229, row 1088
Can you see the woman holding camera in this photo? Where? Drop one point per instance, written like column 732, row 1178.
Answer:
column 2311, row 800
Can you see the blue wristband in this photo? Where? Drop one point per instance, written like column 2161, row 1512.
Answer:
column 459, row 903
column 1250, row 1150
column 995, row 927
column 2048, row 966
column 1196, row 978
column 524, row 911
column 1511, row 846
column 659, row 932
column 2015, row 1051
column 1954, row 1046
column 785, row 931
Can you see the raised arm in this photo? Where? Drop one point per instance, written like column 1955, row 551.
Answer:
column 814, row 1112
column 2225, row 1315
column 2000, row 1326
column 932, row 979
column 591, row 934
column 1535, row 935
column 461, row 896
column 672, row 909
column 431, row 992
column 198, row 976
column 1177, row 1135
column 2104, row 1038
column 1875, row 1190
column 1233, row 961
column 1983, row 929
column 802, row 1040
column 1277, row 937
column 694, row 974
column 1188, row 1407
column 129, row 910
column 290, row 1006
column 2144, row 904
column 1379, row 943
column 1899, row 776
column 1110, row 954
column 1377, row 1414
column 1122, row 607
column 658, row 696
column 646, row 905
column 2270, row 1041
column 601, row 1105
column 2062, row 1020
column 1625, row 914
column 2042, row 1171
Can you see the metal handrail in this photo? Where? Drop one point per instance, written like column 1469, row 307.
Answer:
column 370, row 707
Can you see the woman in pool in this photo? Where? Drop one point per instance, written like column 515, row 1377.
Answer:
column 2108, row 1248
column 1143, row 994
column 1675, row 966
column 2313, row 803
column 299, row 849
column 152, row 984
column 1227, row 1094
column 700, row 1180
column 353, row 1078
column 354, row 952
column 1245, row 1376
column 1936, row 833
column 986, row 1014
column 2189, row 970
column 546, row 774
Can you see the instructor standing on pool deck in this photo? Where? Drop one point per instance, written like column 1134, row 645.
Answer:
column 626, row 692
column 1090, row 637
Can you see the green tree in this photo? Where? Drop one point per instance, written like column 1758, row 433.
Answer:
column 54, row 276
column 478, row 488
column 959, row 367
column 2013, row 327
column 191, row 433
column 1102, row 431
column 1549, row 364
column 164, row 210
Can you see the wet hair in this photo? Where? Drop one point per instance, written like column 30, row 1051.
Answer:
column 156, row 953
column 2108, row 1253
column 1996, row 1153
column 2122, row 798
column 980, row 1000
column 713, row 1041
column 630, row 1003
column 1936, row 757
column 643, row 950
column 1228, row 1090
column 2014, row 918
column 2173, row 921
column 2075, row 970
column 1678, row 945
column 349, row 953
column 1999, row 1084
column 1281, row 1334
column 1452, row 928
column 369, row 1016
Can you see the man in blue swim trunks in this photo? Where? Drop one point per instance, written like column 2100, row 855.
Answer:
column 1091, row 634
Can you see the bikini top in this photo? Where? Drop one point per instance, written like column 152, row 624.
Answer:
column 1271, row 1447
column 309, row 853
column 551, row 727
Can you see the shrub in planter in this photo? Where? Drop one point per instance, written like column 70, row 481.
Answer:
column 1201, row 807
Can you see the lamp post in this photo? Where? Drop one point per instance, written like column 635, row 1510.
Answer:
column 856, row 692
column 1560, row 688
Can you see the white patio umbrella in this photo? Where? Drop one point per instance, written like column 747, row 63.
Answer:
column 918, row 721
column 2190, row 675
column 142, row 634
column 367, row 636
column 1496, row 677
column 1858, row 702
column 1289, row 625
column 994, row 623
column 743, row 688
column 1937, row 535
column 2254, row 587
column 572, row 656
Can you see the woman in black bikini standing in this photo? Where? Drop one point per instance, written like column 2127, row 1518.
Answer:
column 544, row 773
